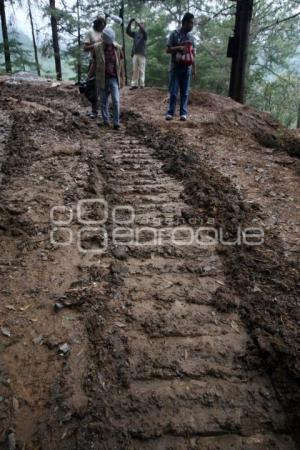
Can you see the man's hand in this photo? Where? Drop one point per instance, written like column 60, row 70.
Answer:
column 181, row 49
column 88, row 47
column 178, row 49
column 128, row 29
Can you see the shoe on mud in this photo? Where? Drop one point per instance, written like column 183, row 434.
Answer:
column 93, row 115
column 183, row 118
column 169, row 117
column 117, row 127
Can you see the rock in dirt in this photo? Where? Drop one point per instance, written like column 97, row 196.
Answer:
column 64, row 349
column 72, row 298
column 5, row 331
column 11, row 441
column 58, row 307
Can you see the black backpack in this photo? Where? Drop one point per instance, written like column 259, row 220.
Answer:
column 88, row 88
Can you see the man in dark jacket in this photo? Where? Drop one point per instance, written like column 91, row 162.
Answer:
column 138, row 53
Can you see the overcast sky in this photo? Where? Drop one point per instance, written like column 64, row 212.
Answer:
column 18, row 16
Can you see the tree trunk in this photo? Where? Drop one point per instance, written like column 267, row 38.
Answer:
column 240, row 44
column 5, row 38
column 79, row 65
column 55, row 41
column 36, row 56
column 122, row 15
column 298, row 118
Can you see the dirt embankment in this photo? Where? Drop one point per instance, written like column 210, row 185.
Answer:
column 146, row 346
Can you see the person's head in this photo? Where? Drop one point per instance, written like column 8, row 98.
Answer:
column 188, row 22
column 109, row 36
column 99, row 24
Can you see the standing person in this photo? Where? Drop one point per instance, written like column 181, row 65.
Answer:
column 181, row 47
column 93, row 37
column 138, row 53
column 109, row 70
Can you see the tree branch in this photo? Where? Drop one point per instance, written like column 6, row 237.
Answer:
column 271, row 71
column 172, row 13
column 274, row 24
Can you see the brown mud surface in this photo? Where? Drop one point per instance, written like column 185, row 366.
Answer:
column 153, row 339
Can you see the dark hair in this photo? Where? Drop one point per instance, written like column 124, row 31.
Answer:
column 99, row 21
column 187, row 17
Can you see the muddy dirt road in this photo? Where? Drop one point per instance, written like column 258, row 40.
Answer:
column 125, row 323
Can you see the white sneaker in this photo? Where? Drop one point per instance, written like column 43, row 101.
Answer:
column 169, row 117
column 93, row 115
column 183, row 118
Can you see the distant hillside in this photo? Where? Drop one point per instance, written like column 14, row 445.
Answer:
column 24, row 39
column 46, row 63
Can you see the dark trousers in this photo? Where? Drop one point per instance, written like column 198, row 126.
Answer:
column 180, row 80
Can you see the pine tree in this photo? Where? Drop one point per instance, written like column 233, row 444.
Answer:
column 6, row 48
column 21, row 58
column 75, row 23
column 55, row 38
column 36, row 57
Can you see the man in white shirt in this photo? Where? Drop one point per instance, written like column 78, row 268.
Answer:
column 94, row 36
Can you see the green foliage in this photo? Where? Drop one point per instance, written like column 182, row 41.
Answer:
column 213, row 65
column 22, row 59
column 273, row 79
column 158, row 59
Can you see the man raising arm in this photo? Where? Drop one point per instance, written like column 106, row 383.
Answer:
column 138, row 53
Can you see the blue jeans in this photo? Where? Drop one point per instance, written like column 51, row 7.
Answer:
column 111, row 87
column 180, row 79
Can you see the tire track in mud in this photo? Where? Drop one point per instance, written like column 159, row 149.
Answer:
column 177, row 371
column 264, row 279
